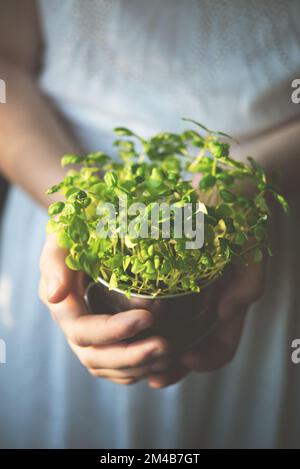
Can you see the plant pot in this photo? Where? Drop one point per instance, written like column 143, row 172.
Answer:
column 184, row 319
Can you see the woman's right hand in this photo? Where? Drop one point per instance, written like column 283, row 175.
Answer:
column 97, row 339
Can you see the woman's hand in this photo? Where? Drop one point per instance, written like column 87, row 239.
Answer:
column 239, row 293
column 97, row 339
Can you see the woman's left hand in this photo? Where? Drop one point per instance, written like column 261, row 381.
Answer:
column 244, row 288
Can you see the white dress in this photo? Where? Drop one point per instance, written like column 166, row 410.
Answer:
column 144, row 64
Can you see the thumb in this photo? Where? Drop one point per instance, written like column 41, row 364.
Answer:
column 57, row 277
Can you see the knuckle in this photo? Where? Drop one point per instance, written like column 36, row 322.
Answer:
column 76, row 338
column 75, row 334
column 123, row 326
column 136, row 359
column 139, row 357
column 121, row 330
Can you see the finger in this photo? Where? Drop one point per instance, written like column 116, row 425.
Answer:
column 131, row 372
column 219, row 349
column 162, row 380
column 57, row 277
column 86, row 330
column 104, row 329
column 245, row 287
column 122, row 355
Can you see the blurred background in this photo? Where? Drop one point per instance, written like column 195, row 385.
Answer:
column 142, row 64
column 3, row 192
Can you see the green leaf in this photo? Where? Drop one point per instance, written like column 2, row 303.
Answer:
column 281, row 200
column 223, row 134
column 150, row 268
column 55, row 208
column 196, row 123
column 63, row 240
column 262, row 203
column 223, row 211
column 124, row 132
column 72, row 192
column 193, row 138
column 257, row 255
column 97, row 189
column 219, row 149
column 225, row 178
column 156, row 178
column 151, row 250
column 209, row 131
column 71, row 159
column 72, row 263
column 240, row 238
column 156, row 262
column 126, row 262
column 111, row 179
column 97, row 157
column 86, row 202
column 229, row 225
column 207, row 182
column 54, row 188
column 259, row 233
column 137, row 266
column 78, row 230
column 90, row 265
column 225, row 249
column 125, row 145
column 206, row 260
column 227, row 196
column 209, row 234
column 204, row 165
column 257, row 168
column 115, row 262
column 166, row 267
column 113, row 282
column 70, row 210
column 129, row 243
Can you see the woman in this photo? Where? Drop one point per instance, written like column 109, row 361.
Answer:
column 74, row 70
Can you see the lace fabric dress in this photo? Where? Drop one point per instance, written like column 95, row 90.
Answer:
column 142, row 64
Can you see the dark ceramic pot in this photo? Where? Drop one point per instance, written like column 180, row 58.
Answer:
column 184, row 319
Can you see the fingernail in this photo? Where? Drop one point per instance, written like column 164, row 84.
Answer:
column 52, row 285
column 155, row 384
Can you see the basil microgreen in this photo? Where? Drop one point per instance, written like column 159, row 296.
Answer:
column 161, row 170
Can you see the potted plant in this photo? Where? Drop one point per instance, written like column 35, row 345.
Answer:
column 137, row 260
